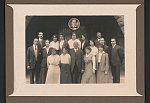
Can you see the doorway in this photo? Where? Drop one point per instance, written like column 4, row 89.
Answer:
column 50, row 25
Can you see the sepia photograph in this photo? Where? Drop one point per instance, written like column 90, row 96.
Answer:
column 75, row 49
column 63, row 50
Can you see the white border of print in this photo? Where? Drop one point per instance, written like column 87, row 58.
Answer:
column 123, row 89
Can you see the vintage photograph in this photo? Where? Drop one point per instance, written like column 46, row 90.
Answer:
column 75, row 49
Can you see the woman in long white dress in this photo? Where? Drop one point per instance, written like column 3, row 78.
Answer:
column 53, row 64
column 89, row 66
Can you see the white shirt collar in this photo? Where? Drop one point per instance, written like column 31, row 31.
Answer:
column 75, row 49
column 40, row 39
column 98, row 39
column 34, row 45
column 114, row 45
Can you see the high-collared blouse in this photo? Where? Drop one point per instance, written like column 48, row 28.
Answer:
column 54, row 45
column 100, row 56
column 71, row 42
column 65, row 59
column 94, row 50
column 53, row 60
column 93, row 60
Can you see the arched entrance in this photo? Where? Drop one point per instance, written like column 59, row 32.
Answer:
column 50, row 25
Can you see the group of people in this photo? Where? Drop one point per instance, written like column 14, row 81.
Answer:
column 77, row 60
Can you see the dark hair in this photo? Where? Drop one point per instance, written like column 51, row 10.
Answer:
column 61, row 34
column 35, row 38
column 74, row 33
column 54, row 36
column 39, row 32
column 47, row 40
column 65, row 48
column 114, row 38
column 84, row 35
column 88, row 48
column 92, row 41
column 98, row 32
column 101, row 46
column 102, row 38
column 53, row 49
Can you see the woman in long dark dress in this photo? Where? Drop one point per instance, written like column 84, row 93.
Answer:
column 65, row 60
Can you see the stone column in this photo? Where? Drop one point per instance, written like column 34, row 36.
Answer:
column 120, row 20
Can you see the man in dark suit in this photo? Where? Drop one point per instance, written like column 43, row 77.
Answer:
column 102, row 42
column 76, row 63
column 84, row 42
column 116, row 60
column 33, row 60
column 97, row 41
column 46, row 53
column 41, row 42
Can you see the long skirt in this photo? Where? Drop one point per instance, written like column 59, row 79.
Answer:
column 65, row 75
column 43, row 74
column 53, row 75
column 88, row 76
column 104, row 78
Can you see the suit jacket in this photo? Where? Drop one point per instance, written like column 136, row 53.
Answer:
column 106, row 49
column 31, row 61
column 97, row 43
column 104, row 64
column 76, row 58
column 116, row 55
column 41, row 45
column 45, row 55
column 86, row 44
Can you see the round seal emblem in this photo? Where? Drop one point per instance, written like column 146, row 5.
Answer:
column 74, row 23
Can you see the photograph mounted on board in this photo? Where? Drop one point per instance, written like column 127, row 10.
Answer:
column 75, row 49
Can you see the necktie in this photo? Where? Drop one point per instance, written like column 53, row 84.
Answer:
column 41, row 43
column 47, row 50
column 82, row 45
column 36, row 52
column 35, row 48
